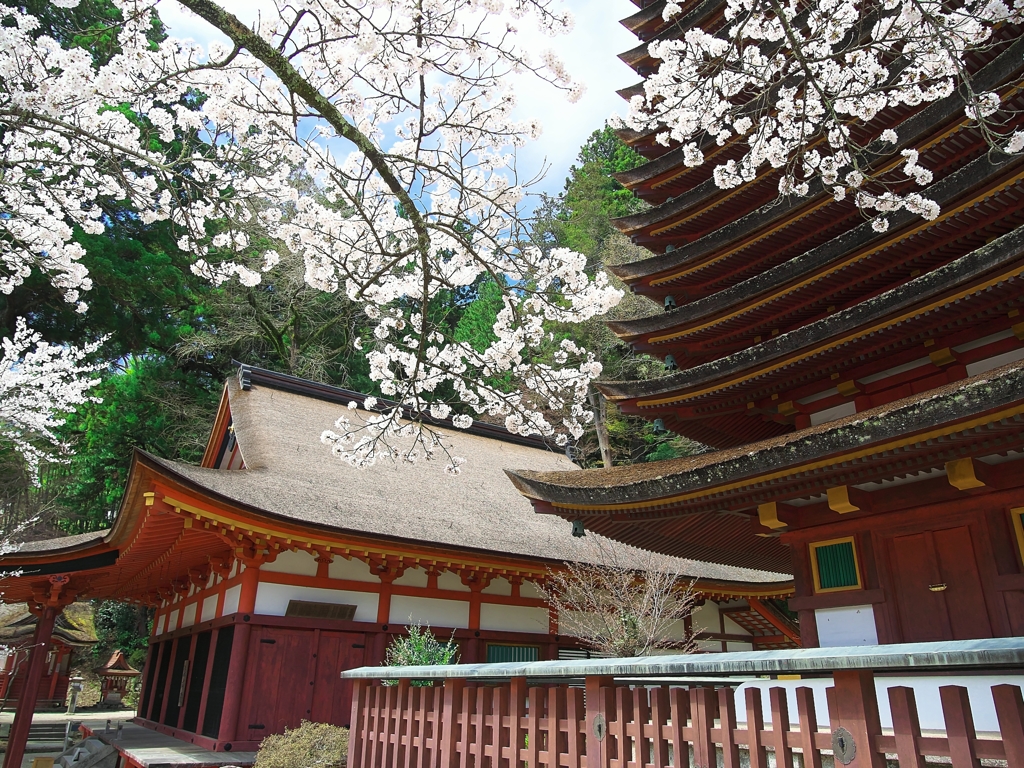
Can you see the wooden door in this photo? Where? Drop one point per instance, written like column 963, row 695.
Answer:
column 332, row 696
column 922, row 613
column 280, row 692
column 938, row 590
column 965, row 599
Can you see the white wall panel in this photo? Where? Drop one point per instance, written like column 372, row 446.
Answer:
column 513, row 618
column 852, row 625
column 300, row 563
column 272, row 599
column 428, row 610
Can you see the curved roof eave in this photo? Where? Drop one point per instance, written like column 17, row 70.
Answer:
column 639, row 484
column 962, row 271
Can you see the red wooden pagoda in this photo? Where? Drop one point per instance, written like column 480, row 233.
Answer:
column 863, row 392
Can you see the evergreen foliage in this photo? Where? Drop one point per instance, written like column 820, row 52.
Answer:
column 420, row 648
column 121, row 626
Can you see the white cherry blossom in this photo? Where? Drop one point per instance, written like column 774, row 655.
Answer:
column 792, row 78
column 398, row 117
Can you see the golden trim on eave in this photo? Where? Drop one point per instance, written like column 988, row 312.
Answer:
column 832, row 343
column 860, row 254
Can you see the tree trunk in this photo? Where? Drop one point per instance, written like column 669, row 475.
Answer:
column 597, row 402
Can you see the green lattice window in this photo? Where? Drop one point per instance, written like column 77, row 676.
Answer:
column 836, row 565
column 501, row 653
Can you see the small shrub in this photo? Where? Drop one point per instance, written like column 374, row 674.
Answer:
column 311, row 745
column 420, row 648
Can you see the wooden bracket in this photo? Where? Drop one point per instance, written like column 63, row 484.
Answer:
column 942, row 357
column 775, row 516
column 844, row 499
column 963, row 474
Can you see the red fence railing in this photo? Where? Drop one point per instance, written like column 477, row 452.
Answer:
column 609, row 723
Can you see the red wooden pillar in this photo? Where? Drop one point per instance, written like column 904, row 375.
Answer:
column 598, row 700
column 857, row 712
column 30, row 689
column 239, row 655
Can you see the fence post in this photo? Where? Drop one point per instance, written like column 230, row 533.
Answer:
column 727, row 716
column 1010, row 713
column 780, row 725
column 702, row 712
column 906, row 726
column 857, row 712
column 516, row 713
column 956, row 711
column 453, row 689
column 597, row 690
column 576, row 714
column 755, row 725
column 357, row 725
column 808, row 726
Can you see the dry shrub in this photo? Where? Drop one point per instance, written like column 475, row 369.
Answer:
column 311, row 745
column 622, row 601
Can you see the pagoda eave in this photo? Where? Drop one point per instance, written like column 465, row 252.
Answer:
column 980, row 417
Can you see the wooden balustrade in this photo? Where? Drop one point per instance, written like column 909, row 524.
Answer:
column 609, row 724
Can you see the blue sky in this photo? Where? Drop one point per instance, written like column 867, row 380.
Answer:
column 589, row 52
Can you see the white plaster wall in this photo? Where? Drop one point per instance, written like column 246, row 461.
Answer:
column 513, row 618
column 299, row 563
column 706, row 617
column 188, row 615
column 413, row 577
column 209, row 609
column 851, row 625
column 231, row 596
column 353, row 570
column 172, row 620
column 498, row 586
column 738, row 646
column 973, row 369
column 161, row 624
column 529, row 589
column 272, row 599
column 429, row 610
column 449, row 580
column 836, row 412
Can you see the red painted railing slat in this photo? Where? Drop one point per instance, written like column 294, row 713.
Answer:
column 619, row 725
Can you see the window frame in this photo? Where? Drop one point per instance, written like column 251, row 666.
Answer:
column 489, row 643
column 813, row 549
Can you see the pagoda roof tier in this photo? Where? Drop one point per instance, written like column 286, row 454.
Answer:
column 982, row 200
column 966, row 299
column 646, row 21
column 707, row 226
column 644, row 144
column 707, row 14
column 177, row 522
column 705, row 505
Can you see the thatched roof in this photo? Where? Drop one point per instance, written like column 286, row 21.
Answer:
column 290, row 474
column 74, row 625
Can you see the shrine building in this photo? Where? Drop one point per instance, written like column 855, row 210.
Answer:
column 73, row 630
column 274, row 566
column 862, row 391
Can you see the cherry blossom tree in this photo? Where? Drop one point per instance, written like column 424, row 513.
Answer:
column 808, row 88
column 401, row 114
column 622, row 601
column 39, row 381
